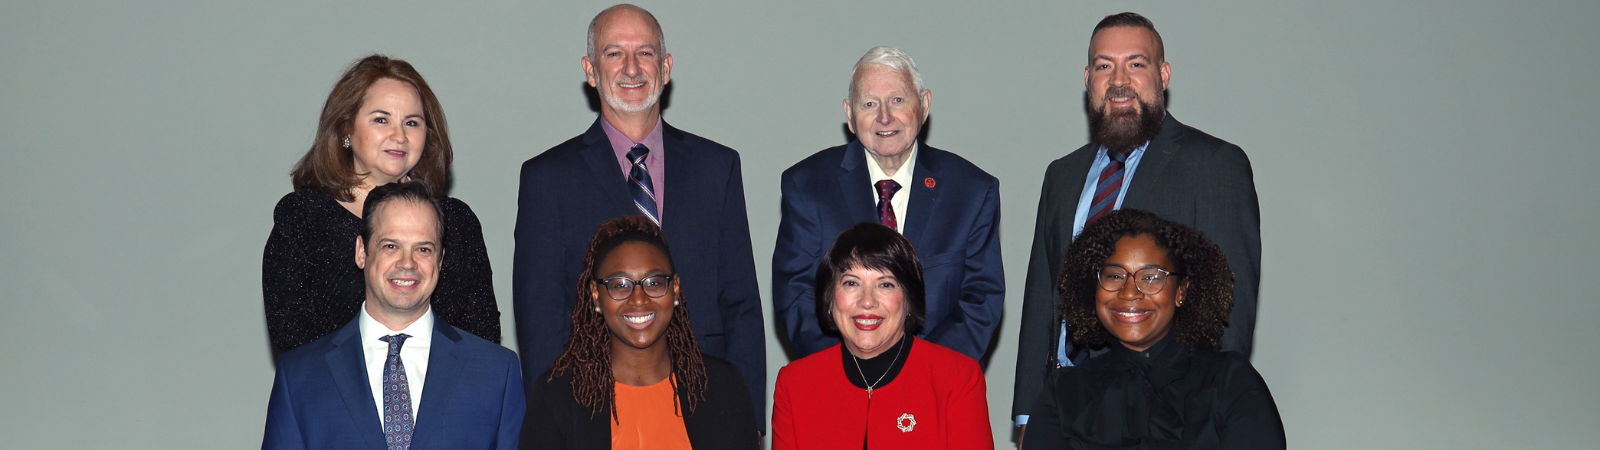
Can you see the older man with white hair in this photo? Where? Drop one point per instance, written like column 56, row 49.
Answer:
column 947, row 207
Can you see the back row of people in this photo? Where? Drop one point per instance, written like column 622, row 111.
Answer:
column 382, row 124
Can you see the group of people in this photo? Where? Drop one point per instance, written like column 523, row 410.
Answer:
column 887, row 278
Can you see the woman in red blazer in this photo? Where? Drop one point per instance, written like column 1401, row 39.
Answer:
column 881, row 387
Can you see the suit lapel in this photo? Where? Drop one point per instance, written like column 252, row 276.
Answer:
column 678, row 169
column 925, row 192
column 349, row 370
column 1153, row 164
column 603, row 166
column 444, row 369
column 855, row 186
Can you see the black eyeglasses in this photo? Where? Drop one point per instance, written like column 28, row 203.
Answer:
column 619, row 288
column 1148, row 280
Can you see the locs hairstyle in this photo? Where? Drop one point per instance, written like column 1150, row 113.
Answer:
column 412, row 191
column 1202, row 271
column 329, row 168
column 588, row 354
column 871, row 246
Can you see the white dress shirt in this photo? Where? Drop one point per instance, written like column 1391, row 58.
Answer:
column 413, row 355
column 901, row 197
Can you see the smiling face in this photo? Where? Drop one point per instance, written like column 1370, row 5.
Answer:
column 401, row 262
column 638, row 321
column 628, row 67
column 1137, row 319
column 869, row 310
column 1126, row 80
column 389, row 132
column 887, row 111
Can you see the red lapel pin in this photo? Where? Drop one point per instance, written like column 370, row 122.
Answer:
column 928, row 182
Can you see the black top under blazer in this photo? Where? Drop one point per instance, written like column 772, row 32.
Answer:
column 722, row 421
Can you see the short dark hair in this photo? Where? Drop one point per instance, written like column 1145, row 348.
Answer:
column 414, row 191
column 1131, row 19
column 872, row 246
column 1199, row 264
column 328, row 167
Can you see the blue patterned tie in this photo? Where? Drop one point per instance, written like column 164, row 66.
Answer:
column 644, row 196
column 397, row 419
column 1105, row 192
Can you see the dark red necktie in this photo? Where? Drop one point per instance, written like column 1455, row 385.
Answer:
column 886, row 190
column 1105, row 192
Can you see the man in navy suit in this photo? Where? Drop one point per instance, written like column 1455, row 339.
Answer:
column 396, row 377
column 630, row 162
column 947, row 207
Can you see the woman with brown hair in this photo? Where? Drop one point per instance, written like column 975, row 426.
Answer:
column 380, row 124
column 632, row 375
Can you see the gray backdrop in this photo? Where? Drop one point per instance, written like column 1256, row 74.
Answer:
column 1428, row 197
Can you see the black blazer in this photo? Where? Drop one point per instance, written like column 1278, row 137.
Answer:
column 567, row 191
column 1186, row 176
column 722, row 421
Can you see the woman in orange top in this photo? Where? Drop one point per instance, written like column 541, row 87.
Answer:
column 632, row 376
column 881, row 387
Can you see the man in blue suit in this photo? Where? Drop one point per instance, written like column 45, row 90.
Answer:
column 396, row 377
column 946, row 206
column 630, row 162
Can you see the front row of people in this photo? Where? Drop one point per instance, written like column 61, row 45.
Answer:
column 1150, row 295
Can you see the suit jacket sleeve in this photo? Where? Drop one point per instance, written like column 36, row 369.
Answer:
column 969, row 411
column 1039, row 299
column 513, row 408
column 794, row 268
column 983, row 284
column 782, row 418
column 543, row 313
column 740, row 300
column 283, row 428
column 465, row 296
column 1230, row 215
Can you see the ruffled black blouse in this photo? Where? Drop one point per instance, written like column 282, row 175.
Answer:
column 310, row 285
column 1166, row 397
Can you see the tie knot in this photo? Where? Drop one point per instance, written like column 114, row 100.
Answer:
column 887, row 188
column 1120, row 156
column 637, row 153
column 395, row 341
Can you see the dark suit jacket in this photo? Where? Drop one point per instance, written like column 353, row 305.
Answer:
column 953, row 220
column 321, row 397
column 569, row 190
column 721, row 421
column 1186, row 176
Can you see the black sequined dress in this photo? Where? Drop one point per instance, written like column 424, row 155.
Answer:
column 310, row 284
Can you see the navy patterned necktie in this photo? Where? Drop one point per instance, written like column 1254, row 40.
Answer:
column 397, row 418
column 644, row 195
column 1105, row 193
column 886, row 190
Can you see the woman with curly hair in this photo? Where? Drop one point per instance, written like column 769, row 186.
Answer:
column 632, row 375
column 1157, row 293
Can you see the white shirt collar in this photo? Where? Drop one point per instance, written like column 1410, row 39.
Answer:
column 421, row 331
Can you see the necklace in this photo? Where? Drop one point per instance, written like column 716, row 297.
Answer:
column 358, row 194
column 863, row 373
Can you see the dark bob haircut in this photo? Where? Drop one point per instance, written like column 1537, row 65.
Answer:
column 413, row 191
column 328, row 167
column 872, row 246
column 1201, row 270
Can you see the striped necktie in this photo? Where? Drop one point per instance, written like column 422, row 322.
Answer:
column 1105, row 193
column 644, row 196
column 397, row 418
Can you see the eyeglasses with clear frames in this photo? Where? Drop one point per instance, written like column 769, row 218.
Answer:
column 1148, row 280
column 619, row 288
